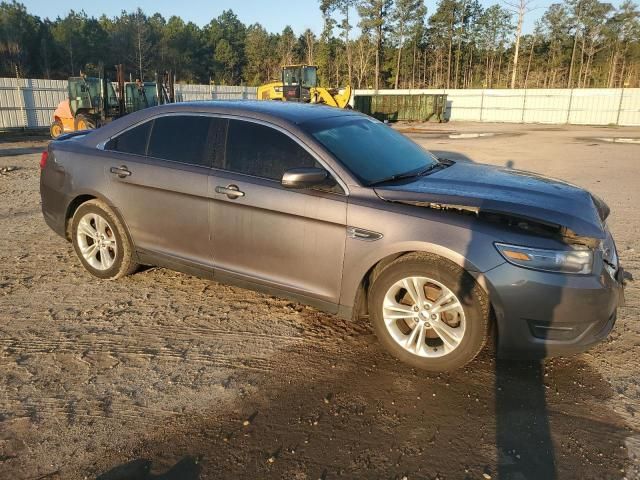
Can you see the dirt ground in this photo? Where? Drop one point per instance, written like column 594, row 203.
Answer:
column 163, row 375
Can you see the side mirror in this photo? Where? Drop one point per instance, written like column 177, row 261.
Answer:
column 304, row 177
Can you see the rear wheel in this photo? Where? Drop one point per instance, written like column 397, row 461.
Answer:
column 83, row 122
column 56, row 129
column 429, row 312
column 100, row 241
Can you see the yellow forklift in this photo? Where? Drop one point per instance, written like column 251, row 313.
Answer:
column 300, row 84
column 93, row 101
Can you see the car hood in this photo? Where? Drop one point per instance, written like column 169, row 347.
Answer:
column 516, row 193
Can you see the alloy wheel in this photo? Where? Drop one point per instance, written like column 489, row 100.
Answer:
column 97, row 241
column 424, row 316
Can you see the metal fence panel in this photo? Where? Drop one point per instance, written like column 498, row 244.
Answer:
column 464, row 105
column 502, row 106
column 30, row 103
column 629, row 107
column 592, row 106
column 190, row 93
column 546, row 105
column 598, row 106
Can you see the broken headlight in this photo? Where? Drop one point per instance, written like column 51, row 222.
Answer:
column 560, row 261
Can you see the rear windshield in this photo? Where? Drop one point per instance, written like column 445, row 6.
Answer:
column 371, row 150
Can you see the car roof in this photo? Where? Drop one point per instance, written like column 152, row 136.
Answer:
column 288, row 111
column 288, row 115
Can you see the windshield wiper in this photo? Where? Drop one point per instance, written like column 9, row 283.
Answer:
column 411, row 174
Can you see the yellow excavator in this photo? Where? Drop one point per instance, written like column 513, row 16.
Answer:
column 300, row 84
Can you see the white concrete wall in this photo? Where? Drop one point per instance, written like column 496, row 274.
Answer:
column 587, row 106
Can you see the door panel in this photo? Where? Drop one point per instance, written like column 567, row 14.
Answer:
column 293, row 239
column 158, row 175
column 165, row 206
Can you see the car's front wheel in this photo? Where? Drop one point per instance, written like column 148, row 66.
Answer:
column 429, row 312
column 100, row 241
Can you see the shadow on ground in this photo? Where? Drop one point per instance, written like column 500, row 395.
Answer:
column 185, row 469
column 360, row 414
column 12, row 152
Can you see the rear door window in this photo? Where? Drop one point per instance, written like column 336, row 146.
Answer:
column 183, row 139
column 132, row 141
column 262, row 151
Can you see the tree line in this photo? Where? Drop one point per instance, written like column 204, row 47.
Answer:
column 461, row 44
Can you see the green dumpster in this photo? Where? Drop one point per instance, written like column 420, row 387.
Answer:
column 406, row 108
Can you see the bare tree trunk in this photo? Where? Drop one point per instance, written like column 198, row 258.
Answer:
column 516, row 51
column 450, row 51
column 413, row 66
column 378, row 48
column 71, row 57
column 399, row 55
column 613, row 64
column 526, row 77
column 140, row 56
column 310, row 45
column 486, row 73
column 623, row 70
column 424, row 71
column 573, row 57
column 348, row 47
column 580, row 71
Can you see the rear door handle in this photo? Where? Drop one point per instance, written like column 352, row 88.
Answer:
column 231, row 191
column 121, row 171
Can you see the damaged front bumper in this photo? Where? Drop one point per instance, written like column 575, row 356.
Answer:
column 542, row 314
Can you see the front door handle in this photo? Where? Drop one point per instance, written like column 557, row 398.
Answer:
column 121, row 171
column 231, row 191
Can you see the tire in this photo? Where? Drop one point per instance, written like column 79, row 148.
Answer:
column 464, row 325
column 56, row 129
column 84, row 122
column 112, row 256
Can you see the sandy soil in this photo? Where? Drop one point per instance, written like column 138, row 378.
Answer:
column 163, row 375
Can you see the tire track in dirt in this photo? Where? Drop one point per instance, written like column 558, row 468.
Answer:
column 162, row 365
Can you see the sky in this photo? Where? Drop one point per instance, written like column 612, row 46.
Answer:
column 274, row 15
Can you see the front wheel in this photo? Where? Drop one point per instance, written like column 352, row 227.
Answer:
column 56, row 129
column 429, row 312
column 100, row 241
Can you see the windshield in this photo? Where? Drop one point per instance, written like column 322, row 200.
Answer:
column 292, row 76
column 371, row 150
column 309, row 78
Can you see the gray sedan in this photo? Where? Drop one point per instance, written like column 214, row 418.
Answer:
column 339, row 211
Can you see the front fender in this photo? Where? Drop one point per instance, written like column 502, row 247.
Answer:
column 460, row 239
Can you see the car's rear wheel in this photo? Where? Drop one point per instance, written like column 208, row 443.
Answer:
column 429, row 312
column 100, row 241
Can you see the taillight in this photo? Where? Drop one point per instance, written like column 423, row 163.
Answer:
column 43, row 159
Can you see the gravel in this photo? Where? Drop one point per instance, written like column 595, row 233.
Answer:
column 162, row 372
